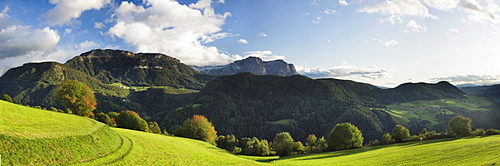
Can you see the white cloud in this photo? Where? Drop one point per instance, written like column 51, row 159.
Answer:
column 441, row 4
column 479, row 14
column 66, row 10
column 242, row 41
column 99, row 25
column 395, row 9
column 5, row 18
column 314, row 2
column 329, row 11
column 177, row 30
column 17, row 40
column 347, row 71
column 343, row 3
column 389, row 43
column 470, row 79
column 264, row 55
column 415, row 27
column 317, row 20
column 262, row 34
column 455, row 30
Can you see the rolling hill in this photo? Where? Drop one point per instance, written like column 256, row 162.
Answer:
column 31, row 136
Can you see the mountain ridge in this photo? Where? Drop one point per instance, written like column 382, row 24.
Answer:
column 251, row 64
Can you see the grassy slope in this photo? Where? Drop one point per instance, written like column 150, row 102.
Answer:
column 30, row 136
column 401, row 114
column 467, row 151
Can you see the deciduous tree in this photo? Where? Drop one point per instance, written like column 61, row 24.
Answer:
column 76, row 96
column 6, row 97
column 345, row 136
column 198, row 127
column 283, row 144
column 399, row 133
column 460, row 126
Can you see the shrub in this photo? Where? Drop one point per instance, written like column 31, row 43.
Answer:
column 399, row 133
column 311, row 142
column 283, row 144
column 154, row 127
column 228, row 143
column 387, row 139
column 6, row 97
column 492, row 132
column 345, row 136
column 478, row 132
column 298, row 147
column 460, row 126
column 104, row 118
column 131, row 120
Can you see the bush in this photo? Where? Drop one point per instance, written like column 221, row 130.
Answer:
column 154, row 127
column 298, row 147
column 6, row 97
column 492, row 132
column 478, row 132
column 104, row 118
column 283, row 144
column 254, row 147
column 228, row 143
column 131, row 120
column 399, row 133
column 198, row 127
column 387, row 139
column 460, row 126
column 345, row 136
column 77, row 96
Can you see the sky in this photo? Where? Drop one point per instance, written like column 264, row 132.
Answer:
column 381, row 42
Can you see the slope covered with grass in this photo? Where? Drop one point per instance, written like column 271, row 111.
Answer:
column 31, row 136
column 466, row 151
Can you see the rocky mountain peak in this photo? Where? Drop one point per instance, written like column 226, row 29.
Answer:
column 251, row 64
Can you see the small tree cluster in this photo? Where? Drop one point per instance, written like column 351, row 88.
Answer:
column 345, row 136
column 314, row 144
column 255, row 147
column 197, row 127
column 228, row 143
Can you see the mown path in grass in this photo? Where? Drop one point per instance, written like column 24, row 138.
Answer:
column 466, row 151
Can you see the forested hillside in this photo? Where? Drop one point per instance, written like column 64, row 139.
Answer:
column 250, row 105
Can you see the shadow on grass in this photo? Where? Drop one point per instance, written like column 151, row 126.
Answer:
column 341, row 153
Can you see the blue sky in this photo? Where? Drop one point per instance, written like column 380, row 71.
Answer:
column 382, row 42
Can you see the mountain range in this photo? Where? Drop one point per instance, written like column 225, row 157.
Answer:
column 259, row 99
column 251, row 64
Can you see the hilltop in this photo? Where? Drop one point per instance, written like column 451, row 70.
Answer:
column 253, row 65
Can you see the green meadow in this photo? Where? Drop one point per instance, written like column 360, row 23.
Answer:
column 31, row 136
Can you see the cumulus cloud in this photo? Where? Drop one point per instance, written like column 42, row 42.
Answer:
column 455, row 30
column 470, row 79
column 242, row 41
column 395, row 9
column 174, row 29
column 414, row 26
column 347, row 71
column 389, row 43
column 343, row 3
column 262, row 34
column 264, row 55
column 67, row 10
column 5, row 18
column 17, row 40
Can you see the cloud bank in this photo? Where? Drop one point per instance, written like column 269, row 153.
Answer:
column 66, row 10
column 347, row 71
column 470, row 79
